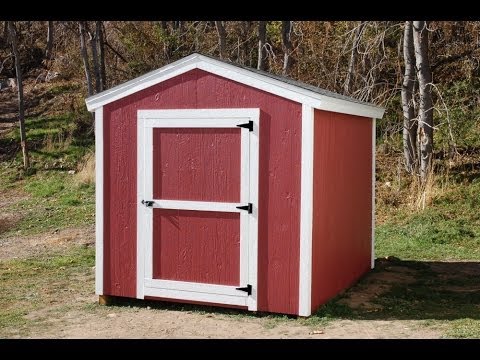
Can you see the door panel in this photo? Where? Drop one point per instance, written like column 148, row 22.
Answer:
column 196, row 164
column 196, row 246
column 197, row 212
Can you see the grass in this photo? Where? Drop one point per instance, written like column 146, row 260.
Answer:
column 464, row 328
column 56, row 141
column 35, row 284
column 56, row 200
column 53, row 198
column 447, row 230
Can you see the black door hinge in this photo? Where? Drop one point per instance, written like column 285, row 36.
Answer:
column 248, row 125
column 148, row 203
column 246, row 207
column 247, row 289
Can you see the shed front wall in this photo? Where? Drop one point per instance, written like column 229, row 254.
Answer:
column 342, row 202
column 279, row 181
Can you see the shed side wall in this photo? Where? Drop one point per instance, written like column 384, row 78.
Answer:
column 279, row 181
column 342, row 202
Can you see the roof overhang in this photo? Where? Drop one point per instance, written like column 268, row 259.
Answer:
column 238, row 74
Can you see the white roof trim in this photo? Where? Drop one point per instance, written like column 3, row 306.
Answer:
column 244, row 76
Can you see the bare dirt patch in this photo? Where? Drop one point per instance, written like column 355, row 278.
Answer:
column 17, row 247
column 114, row 322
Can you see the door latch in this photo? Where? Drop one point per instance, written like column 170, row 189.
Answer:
column 148, row 203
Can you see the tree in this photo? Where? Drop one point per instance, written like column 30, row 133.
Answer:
column 222, row 38
column 21, row 111
column 95, row 60
column 353, row 58
column 50, row 34
column 243, row 42
column 287, row 46
column 83, row 49
column 4, row 38
column 425, row 110
column 262, row 39
column 101, row 53
column 409, row 120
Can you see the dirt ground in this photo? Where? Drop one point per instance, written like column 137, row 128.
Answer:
column 84, row 318
column 155, row 323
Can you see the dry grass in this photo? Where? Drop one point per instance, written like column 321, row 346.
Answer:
column 422, row 193
column 86, row 169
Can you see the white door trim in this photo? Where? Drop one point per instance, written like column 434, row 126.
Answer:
column 198, row 118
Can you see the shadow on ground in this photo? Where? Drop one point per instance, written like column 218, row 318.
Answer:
column 394, row 290
column 412, row 290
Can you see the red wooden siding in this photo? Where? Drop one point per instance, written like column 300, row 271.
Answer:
column 342, row 202
column 196, row 164
column 279, row 181
column 197, row 246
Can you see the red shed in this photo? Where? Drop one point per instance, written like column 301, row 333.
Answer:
column 221, row 184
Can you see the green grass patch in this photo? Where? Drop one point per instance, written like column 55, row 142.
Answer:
column 36, row 283
column 57, row 200
column 46, row 187
column 449, row 229
column 464, row 328
column 54, row 142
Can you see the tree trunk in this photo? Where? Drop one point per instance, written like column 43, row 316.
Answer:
column 245, row 27
column 83, row 49
column 287, row 46
column 5, row 33
column 425, row 110
column 95, row 60
column 262, row 39
column 21, row 110
column 163, row 25
column 50, row 34
column 353, row 59
column 101, row 54
column 409, row 120
column 222, row 38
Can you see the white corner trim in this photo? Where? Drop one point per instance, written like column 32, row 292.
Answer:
column 306, row 213
column 235, row 73
column 373, row 191
column 99, row 201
